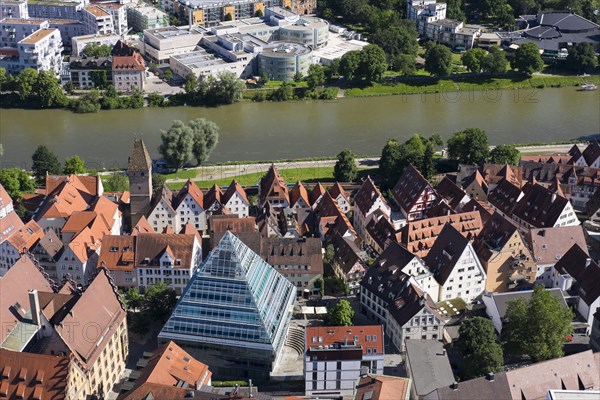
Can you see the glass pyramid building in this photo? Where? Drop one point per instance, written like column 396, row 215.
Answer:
column 234, row 313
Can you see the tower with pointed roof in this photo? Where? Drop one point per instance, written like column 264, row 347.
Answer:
column 139, row 170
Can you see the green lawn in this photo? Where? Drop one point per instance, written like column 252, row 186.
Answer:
column 468, row 83
column 290, row 176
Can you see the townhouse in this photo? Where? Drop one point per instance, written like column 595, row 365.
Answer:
column 578, row 274
column 176, row 211
column 455, row 266
column 455, row 196
column 342, row 197
column 336, row 356
column 548, row 245
column 348, row 261
column 413, row 194
column 367, row 200
column 20, row 242
column 47, row 251
column 299, row 197
column 504, row 255
column 273, row 189
column 235, row 200
column 380, row 232
column 504, row 197
column 390, row 297
column 316, row 194
column 540, row 207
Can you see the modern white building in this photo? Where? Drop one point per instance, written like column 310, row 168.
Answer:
column 336, row 356
column 160, row 44
column 281, row 61
column 97, row 20
column 41, row 50
column 175, row 212
column 55, row 9
column 14, row 9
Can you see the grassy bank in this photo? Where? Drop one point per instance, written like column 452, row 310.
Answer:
column 290, row 175
column 468, row 83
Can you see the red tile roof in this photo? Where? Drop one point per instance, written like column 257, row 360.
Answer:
column 25, row 238
column 382, row 387
column 128, row 63
column 367, row 195
column 298, row 192
column 233, row 188
column 33, row 376
column 272, row 187
column 369, row 336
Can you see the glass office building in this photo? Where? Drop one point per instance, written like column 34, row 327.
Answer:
column 234, row 313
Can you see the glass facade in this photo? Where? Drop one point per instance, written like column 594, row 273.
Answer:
column 236, row 303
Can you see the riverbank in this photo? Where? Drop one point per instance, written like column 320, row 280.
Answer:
column 469, row 83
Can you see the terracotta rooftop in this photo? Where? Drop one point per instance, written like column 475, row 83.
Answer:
column 299, row 192
column 336, row 190
column 368, row 336
column 190, row 188
column 128, row 63
column 273, row 187
column 420, row 236
column 5, row 199
column 117, row 253
column 150, row 247
column 26, row 237
column 10, row 224
column 33, row 376
column 548, row 245
column 143, row 226
column 382, row 387
column 14, row 295
column 233, row 188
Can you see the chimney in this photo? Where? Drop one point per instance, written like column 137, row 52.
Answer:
column 553, row 198
column 588, row 261
column 250, row 387
column 490, row 376
column 454, row 385
column 34, row 304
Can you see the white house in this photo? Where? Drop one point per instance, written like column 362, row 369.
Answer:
column 189, row 208
column 590, row 156
column 166, row 258
column 579, row 275
column 235, row 200
column 392, row 298
column 19, row 242
column 336, row 356
column 456, row 267
column 80, row 257
column 338, row 193
column 299, row 197
column 366, row 201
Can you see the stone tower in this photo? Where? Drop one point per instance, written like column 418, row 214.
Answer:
column 139, row 170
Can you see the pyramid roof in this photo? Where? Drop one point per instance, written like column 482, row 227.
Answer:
column 234, row 278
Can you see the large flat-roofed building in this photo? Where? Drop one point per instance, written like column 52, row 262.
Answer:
column 40, row 50
column 211, row 12
column 55, row 9
column 282, row 60
column 203, row 64
column 309, row 31
column 14, row 9
column 162, row 43
column 234, row 314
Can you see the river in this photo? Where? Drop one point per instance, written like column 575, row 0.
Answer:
column 261, row 131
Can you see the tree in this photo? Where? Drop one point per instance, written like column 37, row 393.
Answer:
column 340, row 315
column 495, row 62
column 505, row 154
column 117, row 182
column 74, row 165
column 397, row 39
column 328, row 256
column 349, row 65
column 539, row 327
column 133, row 299
column 438, row 60
column 206, row 137
column 168, row 75
column 16, row 182
column 259, row 14
column 283, row 93
column 528, row 59
column 158, row 182
column 3, row 78
column 88, row 103
column 264, row 78
column 49, row 92
column 582, row 58
column 455, row 10
column 469, row 146
column 505, row 17
column 99, row 79
column 159, row 301
column 390, row 156
column 26, row 82
column 95, row 50
column 474, row 59
column 315, row 76
column 298, row 77
column 191, row 83
column 428, row 163
column 405, row 64
column 69, row 87
column 227, row 89
column 44, row 161
column 177, row 144
column 372, row 64
column 228, row 17
column 477, row 343
column 345, row 168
